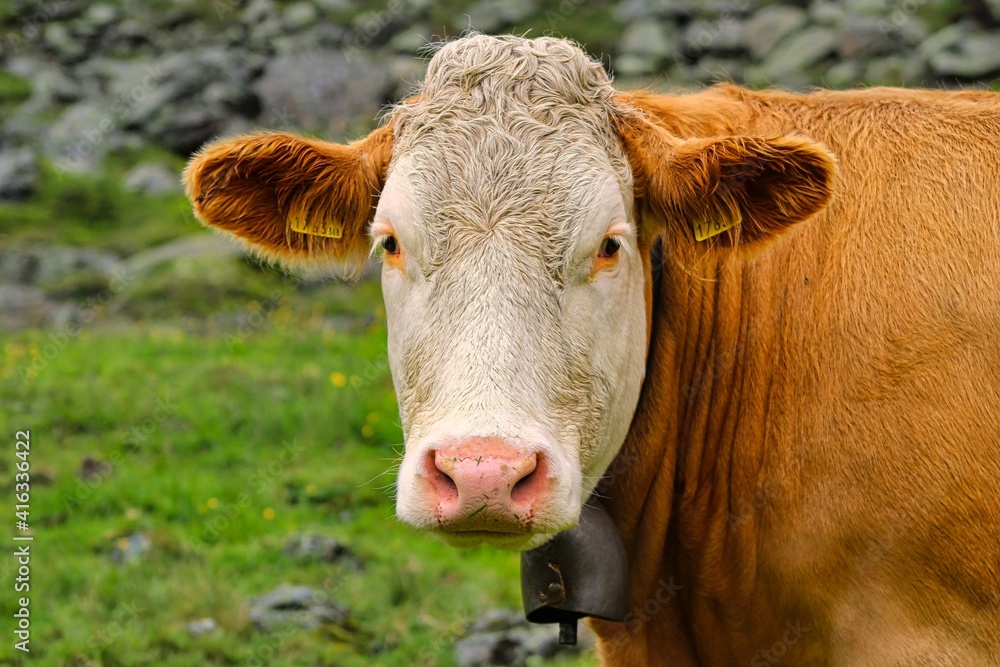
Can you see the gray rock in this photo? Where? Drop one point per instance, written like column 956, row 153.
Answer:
column 490, row 648
column 372, row 29
column 913, row 32
column 319, row 37
column 867, row 7
column 492, row 16
column 637, row 10
column 322, row 90
column 495, row 620
column 712, row 69
column 68, row 48
column 407, row 72
column 844, row 74
column 131, row 548
column 263, row 34
column 130, row 34
column 942, row 40
column 299, row 16
column 994, row 8
column 153, row 178
column 51, row 89
column 800, row 51
column 41, row 266
column 725, row 9
column 628, row 65
column 78, row 141
column 826, row 12
column 412, row 40
column 865, row 36
column 719, row 37
column 100, row 15
column 201, row 627
column 184, row 98
column 504, row 637
column 651, row 39
column 93, row 470
column 259, row 10
column 895, row 70
column 18, row 173
column 298, row 606
column 28, row 307
column 287, row 596
column 765, row 30
column 311, row 547
column 335, row 5
column 207, row 246
column 974, row 56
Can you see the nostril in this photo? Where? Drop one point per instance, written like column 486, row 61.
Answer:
column 444, row 486
column 529, row 486
column 445, row 482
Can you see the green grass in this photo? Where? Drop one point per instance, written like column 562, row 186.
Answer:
column 94, row 211
column 13, row 89
column 224, row 443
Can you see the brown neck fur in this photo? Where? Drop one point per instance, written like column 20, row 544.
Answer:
column 726, row 335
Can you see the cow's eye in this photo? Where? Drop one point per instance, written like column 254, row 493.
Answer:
column 390, row 245
column 609, row 247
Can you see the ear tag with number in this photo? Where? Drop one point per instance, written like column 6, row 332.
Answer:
column 706, row 229
column 328, row 228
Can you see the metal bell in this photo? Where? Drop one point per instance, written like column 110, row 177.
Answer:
column 580, row 572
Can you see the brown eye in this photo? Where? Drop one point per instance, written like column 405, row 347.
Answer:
column 390, row 246
column 609, row 247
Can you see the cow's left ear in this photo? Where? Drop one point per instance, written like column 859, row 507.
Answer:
column 728, row 190
column 289, row 198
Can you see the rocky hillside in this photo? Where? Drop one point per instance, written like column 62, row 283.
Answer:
column 102, row 102
column 81, row 81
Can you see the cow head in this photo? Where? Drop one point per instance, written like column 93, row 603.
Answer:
column 514, row 201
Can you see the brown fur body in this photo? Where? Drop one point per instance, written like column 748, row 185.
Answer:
column 815, row 460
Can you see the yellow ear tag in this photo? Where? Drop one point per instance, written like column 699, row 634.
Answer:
column 706, row 229
column 330, row 229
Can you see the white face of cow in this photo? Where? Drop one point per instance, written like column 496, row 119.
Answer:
column 514, row 292
column 513, row 277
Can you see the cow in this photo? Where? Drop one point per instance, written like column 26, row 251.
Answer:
column 762, row 326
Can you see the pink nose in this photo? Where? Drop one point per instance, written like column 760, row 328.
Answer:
column 485, row 484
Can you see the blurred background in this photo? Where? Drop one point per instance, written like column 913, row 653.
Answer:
column 214, row 440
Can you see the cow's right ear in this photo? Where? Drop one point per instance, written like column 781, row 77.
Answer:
column 289, row 198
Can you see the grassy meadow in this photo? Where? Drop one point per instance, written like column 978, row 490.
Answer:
column 231, row 409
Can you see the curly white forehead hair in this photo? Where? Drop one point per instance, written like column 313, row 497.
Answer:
column 505, row 131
